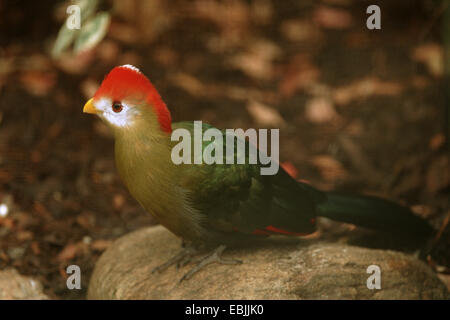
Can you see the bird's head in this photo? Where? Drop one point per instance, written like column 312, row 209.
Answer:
column 126, row 98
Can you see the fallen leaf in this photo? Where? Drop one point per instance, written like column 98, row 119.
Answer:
column 365, row 88
column 432, row 55
column 118, row 201
column 355, row 128
column 69, row 252
column 7, row 222
column 165, row 56
column 300, row 74
column 437, row 141
column 329, row 168
column 38, row 83
column 24, row 235
column 332, row 18
column 123, row 32
column 445, row 278
column 265, row 115
column 320, row 110
column 257, row 61
column 188, row 83
column 299, row 30
column 89, row 87
column 233, row 19
column 35, row 248
column 422, row 210
column 86, row 220
column 75, row 64
column 419, row 82
column 101, row 245
column 262, row 11
column 107, row 51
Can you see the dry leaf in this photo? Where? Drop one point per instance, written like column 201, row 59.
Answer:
column 437, row 141
column 86, row 220
column 118, row 201
column 332, row 18
column 124, row 32
column 7, row 222
column 108, row 51
column 265, row 115
column 35, row 247
column 38, row 83
column 231, row 16
column 100, row 245
column 419, row 82
column 299, row 30
column 300, row 74
column 75, row 64
column 262, row 11
column 188, row 83
column 320, row 110
column 69, row 252
column 445, row 278
column 89, row 87
column 365, row 88
column 329, row 168
column 355, row 128
column 422, row 210
column 432, row 55
column 165, row 56
column 257, row 61
column 24, row 235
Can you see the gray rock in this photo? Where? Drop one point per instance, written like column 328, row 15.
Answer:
column 14, row 286
column 279, row 269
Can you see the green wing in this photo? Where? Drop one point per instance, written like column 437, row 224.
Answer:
column 237, row 198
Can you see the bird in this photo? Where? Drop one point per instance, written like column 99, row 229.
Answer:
column 213, row 206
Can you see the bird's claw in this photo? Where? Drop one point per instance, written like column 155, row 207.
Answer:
column 180, row 259
column 186, row 255
column 214, row 256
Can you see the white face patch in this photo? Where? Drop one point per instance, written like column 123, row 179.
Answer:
column 124, row 118
column 129, row 66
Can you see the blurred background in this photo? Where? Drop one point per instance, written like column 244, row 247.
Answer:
column 358, row 110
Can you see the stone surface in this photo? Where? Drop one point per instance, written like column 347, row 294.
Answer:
column 14, row 286
column 277, row 269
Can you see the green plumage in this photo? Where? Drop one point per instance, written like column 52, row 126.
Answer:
column 222, row 203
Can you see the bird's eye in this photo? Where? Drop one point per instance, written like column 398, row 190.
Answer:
column 117, row 107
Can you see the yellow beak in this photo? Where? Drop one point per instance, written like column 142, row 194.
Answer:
column 89, row 107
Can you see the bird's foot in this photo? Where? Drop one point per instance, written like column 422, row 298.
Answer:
column 187, row 254
column 180, row 259
column 213, row 256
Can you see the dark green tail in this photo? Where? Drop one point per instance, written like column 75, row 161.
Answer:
column 373, row 213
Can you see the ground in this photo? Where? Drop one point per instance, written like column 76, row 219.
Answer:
column 358, row 110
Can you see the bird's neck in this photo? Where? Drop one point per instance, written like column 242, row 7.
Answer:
column 143, row 161
column 144, row 164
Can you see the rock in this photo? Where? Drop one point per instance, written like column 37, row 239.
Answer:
column 279, row 269
column 14, row 286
